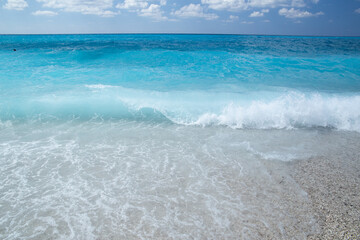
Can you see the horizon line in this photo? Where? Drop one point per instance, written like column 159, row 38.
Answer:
column 139, row 33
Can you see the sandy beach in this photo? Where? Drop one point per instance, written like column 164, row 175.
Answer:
column 333, row 186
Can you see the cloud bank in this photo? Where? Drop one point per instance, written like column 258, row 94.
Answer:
column 15, row 5
column 296, row 13
column 159, row 11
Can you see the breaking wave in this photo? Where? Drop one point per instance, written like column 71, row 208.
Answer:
column 290, row 111
column 283, row 110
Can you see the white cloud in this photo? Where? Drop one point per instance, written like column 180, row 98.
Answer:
column 256, row 14
column 298, row 3
column 153, row 11
column 15, row 5
column 96, row 7
column 237, row 5
column 45, row 13
column 105, row 13
column 232, row 18
column 194, row 10
column 225, row 5
column 259, row 13
column 246, row 22
column 143, row 9
column 133, row 4
column 269, row 3
column 138, row 4
column 357, row 10
column 315, row 1
column 296, row 13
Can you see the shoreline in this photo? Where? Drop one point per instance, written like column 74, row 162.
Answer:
column 333, row 187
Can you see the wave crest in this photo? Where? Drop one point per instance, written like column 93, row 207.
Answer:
column 257, row 110
column 290, row 111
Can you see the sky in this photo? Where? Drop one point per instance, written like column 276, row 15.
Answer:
column 275, row 17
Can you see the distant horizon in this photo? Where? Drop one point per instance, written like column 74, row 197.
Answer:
column 167, row 33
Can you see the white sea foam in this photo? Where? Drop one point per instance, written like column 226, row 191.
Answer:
column 257, row 110
column 98, row 86
column 290, row 111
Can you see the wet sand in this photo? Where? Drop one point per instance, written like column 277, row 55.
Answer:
column 333, row 186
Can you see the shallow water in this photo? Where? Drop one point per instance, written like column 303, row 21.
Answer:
column 168, row 136
column 90, row 180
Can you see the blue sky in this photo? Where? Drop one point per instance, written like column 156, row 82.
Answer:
column 290, row 17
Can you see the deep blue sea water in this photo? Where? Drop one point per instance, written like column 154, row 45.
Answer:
column 168, row 136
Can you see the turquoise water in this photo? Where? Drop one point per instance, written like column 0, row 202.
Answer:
column 168, row 136
column 239, row 81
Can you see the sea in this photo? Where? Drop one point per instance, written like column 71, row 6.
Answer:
column 169, row 136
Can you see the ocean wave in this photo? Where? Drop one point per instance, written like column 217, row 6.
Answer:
column 255, row 110
column 290, row 111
